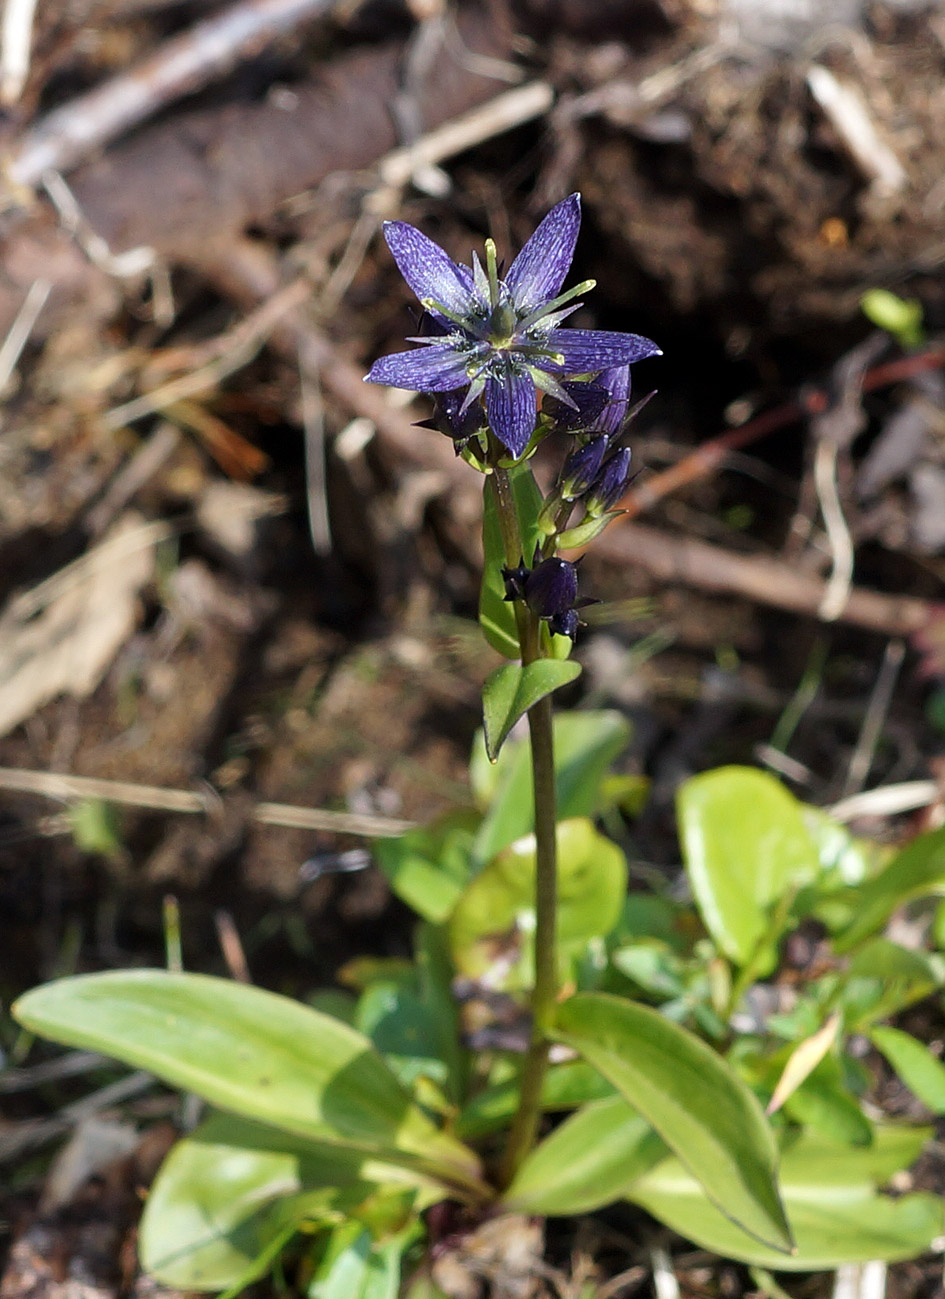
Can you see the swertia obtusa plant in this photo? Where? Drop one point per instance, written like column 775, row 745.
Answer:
column 338, row 1126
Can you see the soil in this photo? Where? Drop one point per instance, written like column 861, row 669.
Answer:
column 302, row 629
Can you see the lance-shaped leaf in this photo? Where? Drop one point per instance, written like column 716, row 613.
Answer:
column 227, row 1196
column 918, row 869
column 257, row 1054
column 921, row 1071
column 511, row 690
column 835, row 1212
column 701, row 1109
column 592, row 1159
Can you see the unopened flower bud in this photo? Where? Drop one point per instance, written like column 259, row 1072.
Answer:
column 551, row 588
column 581, row 468
column 612, row 482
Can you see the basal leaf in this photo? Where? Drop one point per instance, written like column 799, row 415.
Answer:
column 428, row 867
column 592, row 1159
column 566, row 1086
column 745, row 846
column 233, row 1189
column 921, row 1071
column 494, row 919
column 701, row 1109
column 835, row 1213
column 257, row 1054
column 917, row 870
column 510, row 691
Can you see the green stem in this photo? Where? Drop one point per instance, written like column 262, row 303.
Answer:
column 525, row 1124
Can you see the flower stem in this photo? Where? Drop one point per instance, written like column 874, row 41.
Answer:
column 525, row 1124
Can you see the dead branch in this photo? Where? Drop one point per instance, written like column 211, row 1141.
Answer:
column 156, row 798
column 183, row 64
column 710, row 568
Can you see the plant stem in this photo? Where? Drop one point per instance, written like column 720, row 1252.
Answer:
column 525, row 1124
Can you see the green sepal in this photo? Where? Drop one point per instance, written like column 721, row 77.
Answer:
column 587, row 530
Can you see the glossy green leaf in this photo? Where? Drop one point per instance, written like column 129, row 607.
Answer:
column 565, row 1087
column 585, row 746
column 835, row 1213
column 356, row 1266
column 496, row 614
column 233, row 1189
column 257, row 1054
column 701, row 1109
column 746, row 847
column 592, row 1159
column 883, row 978
column 511, row 690
column 917, row 870
column 428, row 867
column 921, row 1071
column 494, row 919
column 404, row 1030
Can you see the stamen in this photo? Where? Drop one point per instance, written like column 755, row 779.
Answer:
column 492, row 270
column 553, row 305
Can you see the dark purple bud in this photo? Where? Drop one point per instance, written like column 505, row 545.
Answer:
column 515, row 579
column 616, row 383
column 612, row 482
column 581, row 468
column 565, row 624
column 551, row 589
column 454, row 421
column 590, row 400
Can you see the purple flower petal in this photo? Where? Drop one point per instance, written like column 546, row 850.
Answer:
column 512, row 407
column 538, row 272
column 429, row 271
column 617, row 383
column 438, row 368
column 585, row 350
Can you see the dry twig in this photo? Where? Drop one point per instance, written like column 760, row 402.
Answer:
column 156, row 798
column 180, row 66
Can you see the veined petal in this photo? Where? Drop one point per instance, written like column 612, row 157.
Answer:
column 585, row 350
column 429, row 271
column 538, row 272
column 439, row 368
column 617, row 383
column 511, row 406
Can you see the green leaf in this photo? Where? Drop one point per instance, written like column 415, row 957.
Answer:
column 592, row 1159
column 496, row 614
column 565, row 1087
column 824, row 1103
column 355, row 1266
column 834, row 1211
column 586, row 744
column 746, row 846
column 917, row 870
column 428, row 867
column 701, row 1109
column 257, row 1054
column 921, row 1071
column 494, row 919
column 233, row 1189
column 511, row 690
column 882, row 979
column 404, row 1030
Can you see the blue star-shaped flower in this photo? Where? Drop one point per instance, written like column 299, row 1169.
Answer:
column 501, row 338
